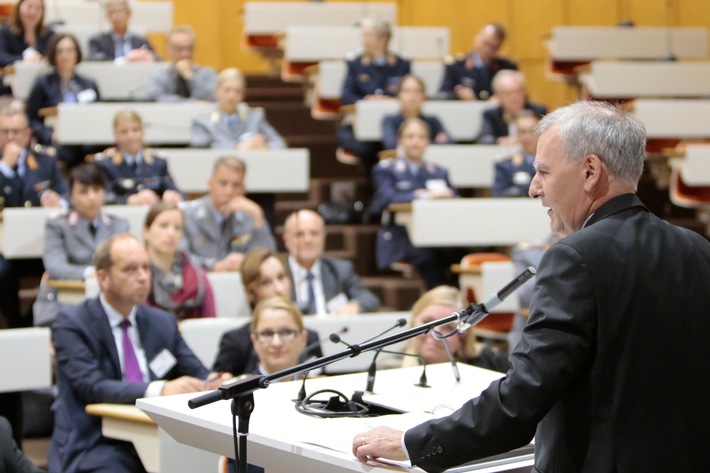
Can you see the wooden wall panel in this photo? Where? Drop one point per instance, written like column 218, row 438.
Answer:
column 598, row 12
column 647, row 12
column 531, row 23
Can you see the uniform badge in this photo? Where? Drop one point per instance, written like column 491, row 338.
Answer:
column 241, row 240
column 364, row 77
column 32, row 163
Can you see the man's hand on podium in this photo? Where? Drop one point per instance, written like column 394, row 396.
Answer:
column 380, row 442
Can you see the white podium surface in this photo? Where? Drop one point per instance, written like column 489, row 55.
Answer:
column 283, row 440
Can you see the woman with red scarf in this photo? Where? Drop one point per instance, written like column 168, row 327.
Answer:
column 179, row 285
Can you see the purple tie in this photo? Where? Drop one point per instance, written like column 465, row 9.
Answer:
column 131, row 368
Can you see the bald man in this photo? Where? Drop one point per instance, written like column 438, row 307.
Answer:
column 322, row 285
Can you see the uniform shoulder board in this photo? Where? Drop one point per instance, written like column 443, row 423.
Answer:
column 352, row 55
column 385, row 163
column 58, row 213
column 45, row 150
column 155, row 153
column 105, row 155
column 449, row 59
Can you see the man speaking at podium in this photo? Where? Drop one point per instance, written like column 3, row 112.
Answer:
column 611, row 371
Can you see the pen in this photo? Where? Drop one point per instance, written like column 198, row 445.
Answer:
column 213, row 377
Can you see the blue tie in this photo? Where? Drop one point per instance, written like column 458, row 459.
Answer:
column 311, row 294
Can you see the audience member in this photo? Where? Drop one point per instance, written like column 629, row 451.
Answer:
column 71, row 238
column 180, row 286
column 499, row 122
column 120, row 45
column 322, row 285
column 24, row 37
column 221, row 226
column 404, row 179
column 264, row 276
column 411, row 94
column 135, row 175
column 436, row 304
column 181, row 79
column 374, row 74
column 469, row 77
column 514, row 173
column 12, row 460
column 620, row 299
column 62, row 85
column 115, row 349
column 234, row 125
column 28, row 178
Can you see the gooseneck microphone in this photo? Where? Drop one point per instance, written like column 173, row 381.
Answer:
column 372, row 370
column 335, row 338
column 474, row 313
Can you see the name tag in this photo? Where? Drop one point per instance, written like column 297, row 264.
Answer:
column 403, row 185
column 521, row 177
column 433, row 185
column 162, row 363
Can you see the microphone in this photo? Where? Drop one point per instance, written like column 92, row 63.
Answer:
column 449, row 353
column 372, row 370
column 474, row 313
column 335, row 338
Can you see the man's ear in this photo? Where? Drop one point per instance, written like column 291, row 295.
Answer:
column 593, row 168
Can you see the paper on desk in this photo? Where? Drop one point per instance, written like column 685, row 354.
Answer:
column 337, row 434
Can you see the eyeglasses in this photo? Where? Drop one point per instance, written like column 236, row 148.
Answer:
column 11, row 131
column 286, row 335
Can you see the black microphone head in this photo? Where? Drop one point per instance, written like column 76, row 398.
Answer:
column 334, row 337
column 401, row 322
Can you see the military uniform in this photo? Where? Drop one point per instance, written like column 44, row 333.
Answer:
column 469, row 71
column 366, row 76
column 496, row 124
column 513, row 175
column 210, row 241
column 394, row 182
column 40, row 173
column 150, row 171
column 219, row 130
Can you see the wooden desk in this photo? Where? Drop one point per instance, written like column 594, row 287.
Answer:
column 680, row 119
column 192, row 167
column 570, row 46
column 164, row 123
column 22, row 230
column 68, row 291
column 125, row 82
column 462, row 119
column 473, row 222
column 156, row 449
column 282, row 440
column 25, row 359
column 609, row 79
column 305, row 46
column 151, row 16
column 264, row 21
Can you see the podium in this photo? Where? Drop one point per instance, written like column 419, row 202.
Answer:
column 284, row 440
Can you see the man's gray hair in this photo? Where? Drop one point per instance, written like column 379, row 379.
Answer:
column 600, row 128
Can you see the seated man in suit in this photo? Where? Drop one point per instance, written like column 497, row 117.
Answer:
column 12, row 460
column 181, row 79
column 234, row 124
column 135, row 175
column 115, row 349
column 401, row 180
column 322, row 285
column 499, row 122
column 469, row 77
column 372, row 75
column 221, row 226
column 514, row 173
column 119, row 45
column 28, row 178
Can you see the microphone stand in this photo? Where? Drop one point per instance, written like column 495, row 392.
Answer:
column 241, row 391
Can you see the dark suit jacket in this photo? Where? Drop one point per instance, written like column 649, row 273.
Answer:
column 89, row 371
column 46, row 92
column 365, row 78
column 102, row 48
column 12, row 459
column 339, row 277
column 237, row 356
column 611, row 366
column 25, row 191
column 122, row 181
column 494, row 126
column 12, row 45
column 391, row 124
column 463, row 71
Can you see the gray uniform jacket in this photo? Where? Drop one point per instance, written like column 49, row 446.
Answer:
column 218, row 130
column 162, row 86
column 211, row 242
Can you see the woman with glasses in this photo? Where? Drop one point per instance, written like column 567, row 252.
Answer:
column 277, row 334
column 264, row 276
